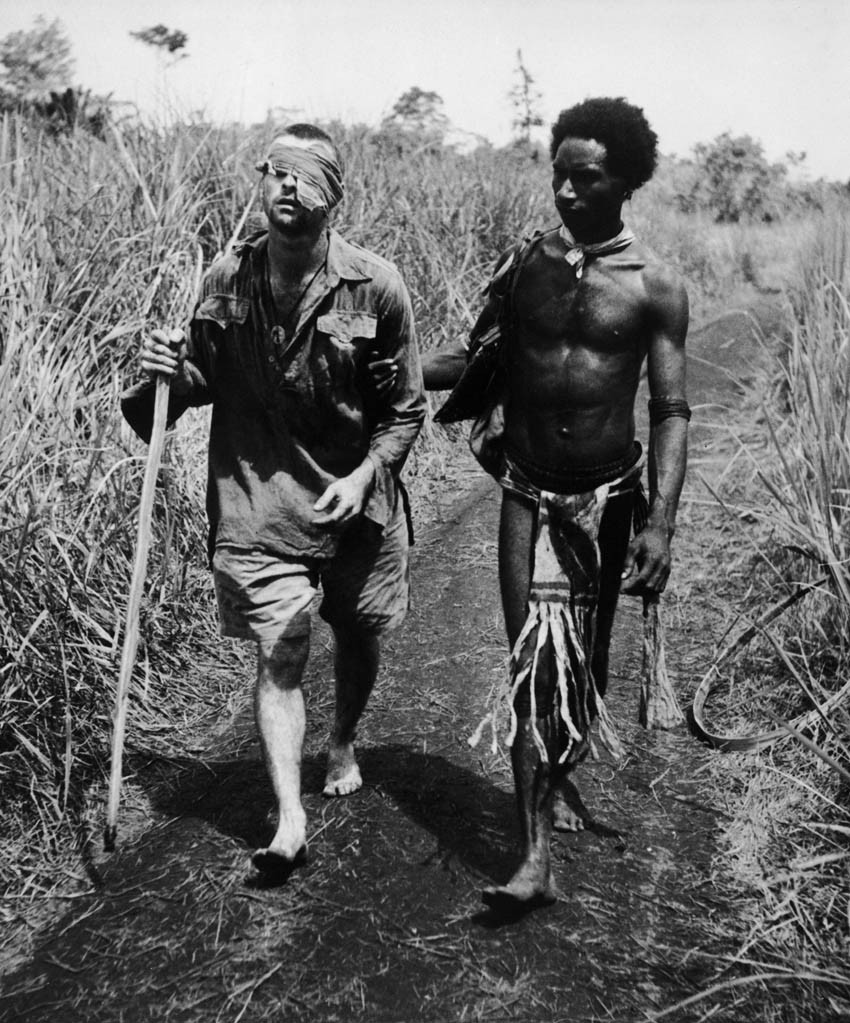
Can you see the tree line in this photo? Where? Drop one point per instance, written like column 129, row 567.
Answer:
column 729, row 178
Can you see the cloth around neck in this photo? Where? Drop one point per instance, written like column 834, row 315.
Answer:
column 577, row 251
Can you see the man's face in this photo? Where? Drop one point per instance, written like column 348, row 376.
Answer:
column 587, row 195
column 280, row 202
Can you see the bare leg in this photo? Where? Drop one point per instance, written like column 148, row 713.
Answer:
column 569, row 812
column 531, row 884
column 279, row 712
column 356, row 661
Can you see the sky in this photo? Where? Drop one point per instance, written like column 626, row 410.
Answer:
column 773, row 69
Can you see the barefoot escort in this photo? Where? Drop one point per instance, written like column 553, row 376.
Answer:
column 555, row 357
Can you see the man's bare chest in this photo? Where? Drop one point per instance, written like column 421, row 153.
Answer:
column 603, row 311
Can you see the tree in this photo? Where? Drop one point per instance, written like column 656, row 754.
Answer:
column 34, row 63
column 162, row 39
column 525, row 98
column 420, row 113
column 735, row 181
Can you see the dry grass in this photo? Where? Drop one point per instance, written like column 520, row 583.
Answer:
column 785, row 497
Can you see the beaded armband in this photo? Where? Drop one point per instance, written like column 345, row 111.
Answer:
column 666, row 408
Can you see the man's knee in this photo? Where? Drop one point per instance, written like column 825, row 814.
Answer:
column 281, row 661
column 357, row 652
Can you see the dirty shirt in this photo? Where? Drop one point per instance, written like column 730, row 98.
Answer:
column 294, row 411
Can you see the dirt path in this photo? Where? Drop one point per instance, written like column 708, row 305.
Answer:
column 385, row 923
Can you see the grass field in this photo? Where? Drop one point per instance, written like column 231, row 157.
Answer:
column 104, row 238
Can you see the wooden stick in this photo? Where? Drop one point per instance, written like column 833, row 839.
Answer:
column 137, row 584
column 131, row 627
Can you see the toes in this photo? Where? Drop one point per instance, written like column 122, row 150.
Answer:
column 568, row 822
column 274, row 867
column 508, row 902
column 343, row 786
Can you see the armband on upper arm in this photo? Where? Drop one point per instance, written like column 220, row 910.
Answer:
column 667, row 408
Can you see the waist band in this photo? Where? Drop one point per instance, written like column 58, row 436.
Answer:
column 524, row 477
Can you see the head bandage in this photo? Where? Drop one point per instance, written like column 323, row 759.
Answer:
column 318, row 179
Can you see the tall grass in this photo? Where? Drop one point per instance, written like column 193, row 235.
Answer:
column 813, row 435
column 99, row 240
column 795, row 803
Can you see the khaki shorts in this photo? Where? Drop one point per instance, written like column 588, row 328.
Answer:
column 265, row 597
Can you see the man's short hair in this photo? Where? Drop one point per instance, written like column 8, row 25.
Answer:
column 302, row 130
column 630, row 144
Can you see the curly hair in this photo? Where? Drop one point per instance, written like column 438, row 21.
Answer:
column 630, row 144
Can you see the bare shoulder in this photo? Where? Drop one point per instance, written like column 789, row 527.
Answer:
column 666, row 294
column 661, row 281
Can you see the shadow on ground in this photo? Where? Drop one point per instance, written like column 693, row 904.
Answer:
column 384, row 924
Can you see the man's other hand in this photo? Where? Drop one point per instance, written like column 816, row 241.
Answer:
column 384, row 373
column 345, row 498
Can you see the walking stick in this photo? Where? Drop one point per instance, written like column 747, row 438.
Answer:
column 137, row 584
column 131, row 627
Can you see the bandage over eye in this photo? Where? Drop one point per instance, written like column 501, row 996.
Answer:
column 318, row 179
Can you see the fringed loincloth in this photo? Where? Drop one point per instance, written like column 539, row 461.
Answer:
column 556, row 642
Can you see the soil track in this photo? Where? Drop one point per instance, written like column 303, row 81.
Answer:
column 385, row 922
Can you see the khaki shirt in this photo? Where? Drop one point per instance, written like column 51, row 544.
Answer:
column 289, row 417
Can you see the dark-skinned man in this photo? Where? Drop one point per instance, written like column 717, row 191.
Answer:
column 578, row 309
column 306, row 447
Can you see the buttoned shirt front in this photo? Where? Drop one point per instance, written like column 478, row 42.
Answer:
column 292, row 412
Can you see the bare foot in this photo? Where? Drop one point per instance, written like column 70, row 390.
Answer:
column 275, row 867
column 343, row 774
column 568, row 811
column 530, row 887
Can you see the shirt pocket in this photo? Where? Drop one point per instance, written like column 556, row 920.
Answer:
column 344, row 340
column 345, row 326
column 223, row 310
